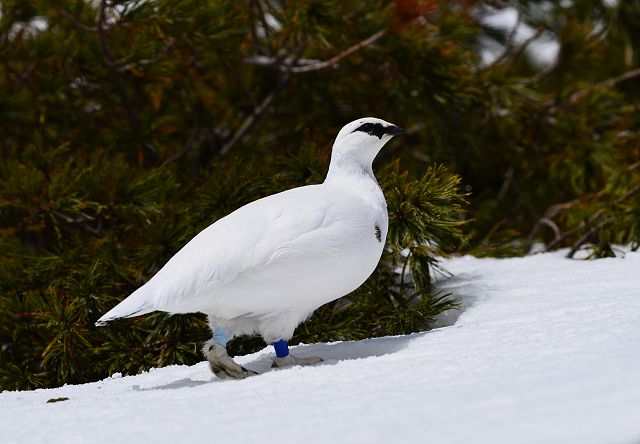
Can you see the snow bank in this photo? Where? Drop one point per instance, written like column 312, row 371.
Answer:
column 547, row 350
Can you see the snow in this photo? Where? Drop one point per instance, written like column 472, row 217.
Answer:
column 542, row 51
column 546, row 350
column 33, row 27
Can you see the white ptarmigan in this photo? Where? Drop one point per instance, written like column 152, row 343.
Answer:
column 268, row 265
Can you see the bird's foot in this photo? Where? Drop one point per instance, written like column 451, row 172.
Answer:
column 222, row 365
column 291, row 360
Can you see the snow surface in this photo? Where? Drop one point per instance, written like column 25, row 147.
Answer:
column 546, row 350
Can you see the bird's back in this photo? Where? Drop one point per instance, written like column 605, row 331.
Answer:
column 320, row 240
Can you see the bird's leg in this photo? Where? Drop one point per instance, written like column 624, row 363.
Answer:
column 286, row 359
column 219, row 361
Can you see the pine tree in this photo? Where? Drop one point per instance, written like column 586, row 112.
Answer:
column 127, row 126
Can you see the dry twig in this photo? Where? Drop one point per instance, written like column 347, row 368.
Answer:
column 289, row 65
column 164, row 52
column 337, row 58
column 259, row 111
column 604, row 84
column 77, row 23
column 286, row 64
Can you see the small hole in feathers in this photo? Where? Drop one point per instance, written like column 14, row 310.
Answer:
column 378, row 233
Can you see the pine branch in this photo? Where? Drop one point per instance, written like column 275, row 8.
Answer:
column 161, row 54
column 303, row 65
column 22, row 77
column 134, row 119
column 523, row 47
column 259, row 111
column 605, row 84
column 546, row 72
column 77, row 23
column 195, row 134
column 631, row 192
column 595, row 217
column 337, row 58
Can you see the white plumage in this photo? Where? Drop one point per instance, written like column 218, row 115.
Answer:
column 265, row 267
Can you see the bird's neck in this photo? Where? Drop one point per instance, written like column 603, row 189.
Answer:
column 347, row 167
column 356, row 177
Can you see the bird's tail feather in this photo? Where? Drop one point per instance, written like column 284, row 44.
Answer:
column 138, row 303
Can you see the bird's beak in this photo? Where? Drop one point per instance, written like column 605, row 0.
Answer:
column 394, row 130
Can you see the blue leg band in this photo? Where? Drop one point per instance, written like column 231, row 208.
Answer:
column 220, row 336
column 282, row 349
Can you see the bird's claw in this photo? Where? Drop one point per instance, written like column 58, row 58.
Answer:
column 291, row 360
column 222, row 365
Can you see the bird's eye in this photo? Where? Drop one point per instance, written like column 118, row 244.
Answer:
column 373, row 129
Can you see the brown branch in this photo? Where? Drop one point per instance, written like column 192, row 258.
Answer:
column 164, row 52
column 145, row 153
column 80, row 221
column 417, row 155
column 195, row 133
column 510, row 44
column 77, row 23
column 111, row 66
column 106, row 55
column 544, row 73
column 253, row 118
column 235, row 75
column 337, row 58
column 289, row 67
column 594, row 218
column 260, row 60
column 552, row 104
column 585, row 237
column 254, row 33
column 512, row 34
column 605, row 84
column 259, row 111
column 627, row 195
column 546, row 222
column 22, row 77
column 287, row 64
column 265, row 25
column 553, row 66
column 508, row 180
column 523, row 47
column 564, row 236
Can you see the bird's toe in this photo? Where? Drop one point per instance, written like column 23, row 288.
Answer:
column 291, row 360
column 229, row 372
column 223, row 366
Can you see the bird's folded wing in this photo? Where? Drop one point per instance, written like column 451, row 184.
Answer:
column 279, row 227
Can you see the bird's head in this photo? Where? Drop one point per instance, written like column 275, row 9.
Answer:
column 362, row 139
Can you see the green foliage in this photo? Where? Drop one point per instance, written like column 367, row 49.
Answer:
column 127, row 126
column 101, row 245
column 561, row 141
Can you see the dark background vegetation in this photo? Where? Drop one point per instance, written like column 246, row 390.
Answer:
column 128, row 126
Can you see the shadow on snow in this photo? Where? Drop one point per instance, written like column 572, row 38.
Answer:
column 333, row 353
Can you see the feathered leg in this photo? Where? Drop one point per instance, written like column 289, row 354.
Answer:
column 219, row 361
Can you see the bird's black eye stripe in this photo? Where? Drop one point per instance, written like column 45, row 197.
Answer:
column 374, row 129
